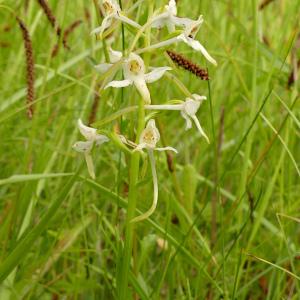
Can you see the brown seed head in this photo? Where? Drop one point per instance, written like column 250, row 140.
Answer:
column 188, row 65
column 29, row 66
column 50, row 16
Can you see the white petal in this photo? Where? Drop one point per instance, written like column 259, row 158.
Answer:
column 141, row 86
column 114, row 56
column 187, row 120
column 100, row 139
column 198, row 47
column 102, row 68
column 166, row 149
column 197, row 123
column 191, row 107
column 152, row 126
column 119, row 83
column 156, row 74
column 88, row 132
column 83, row 146
column 90, row 164
column 198, row 97
column 124, row 19
column 171, row 7
column 182, row 21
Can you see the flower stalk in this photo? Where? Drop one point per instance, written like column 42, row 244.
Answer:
column 132, row 198
column 149, row 212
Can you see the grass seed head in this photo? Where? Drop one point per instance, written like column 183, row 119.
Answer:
column 188, row 65
column 29, row 66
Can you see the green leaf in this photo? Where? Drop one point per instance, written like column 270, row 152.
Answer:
column 30, row 177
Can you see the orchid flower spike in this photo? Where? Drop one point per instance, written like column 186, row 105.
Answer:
column 189, row 110
column 134, row 73
column 148, row 140
column 111, row 10
column 187, row 36
column 169, row 18
column 92, row 137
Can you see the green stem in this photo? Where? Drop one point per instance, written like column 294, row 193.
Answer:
column 132, row 197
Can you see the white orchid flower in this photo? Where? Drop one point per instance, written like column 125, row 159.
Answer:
column 92, row 138
column 190, row 108
column 188, row 111
column 188, row 37
column 111, row 10
column 150, row 137
column 134, row 73
column 169, row 18
column 148, row 140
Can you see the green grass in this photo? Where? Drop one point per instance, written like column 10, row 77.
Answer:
column 229, row 211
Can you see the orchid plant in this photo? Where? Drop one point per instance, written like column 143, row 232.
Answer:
column 135, row 72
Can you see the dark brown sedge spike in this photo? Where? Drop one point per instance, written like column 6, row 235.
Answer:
column 188, row 65
column 55, row 50
column 68, row 31
column 264, row 4
column 29, row 67
column 50, row 16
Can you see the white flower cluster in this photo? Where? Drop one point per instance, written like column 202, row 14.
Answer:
column 134, row 72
